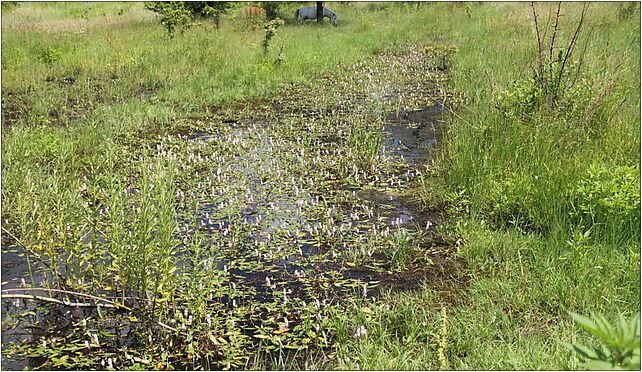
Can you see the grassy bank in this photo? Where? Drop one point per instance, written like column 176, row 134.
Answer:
column 545, row 198
column 106, row 180
column 65, row 66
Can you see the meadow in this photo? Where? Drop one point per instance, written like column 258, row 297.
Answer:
column 214, row 204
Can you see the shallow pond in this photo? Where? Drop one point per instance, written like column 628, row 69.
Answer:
column 300, row 202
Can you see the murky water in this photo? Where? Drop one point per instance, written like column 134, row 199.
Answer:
column 264, row 223
column 16, row 271
column 279, row 242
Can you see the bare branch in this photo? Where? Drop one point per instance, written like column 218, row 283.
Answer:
column 557, row 22
column 572, row 43
column 539, row 43
column 109, row 303
column 55, row 300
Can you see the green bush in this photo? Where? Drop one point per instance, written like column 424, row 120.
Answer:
column 609, row 196
column 173, row 14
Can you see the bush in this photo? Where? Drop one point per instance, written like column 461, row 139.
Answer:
column 173, row 14
column 50, row 55
column 182, row 13
column 609, row 196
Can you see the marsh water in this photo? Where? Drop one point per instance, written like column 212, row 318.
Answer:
column 269, row 208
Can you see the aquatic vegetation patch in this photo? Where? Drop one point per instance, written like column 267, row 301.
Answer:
column 243, row 234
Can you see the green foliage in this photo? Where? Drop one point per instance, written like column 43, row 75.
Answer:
column 622, row 342
column 58, row 181
column 270, row 31
column 626, row 10
column 441, row 53
column 400, row 246
column 173, row 14
column 271, row 9
column 609, row 195
column 213, row 9
column 50, row 55
column 8, row 6
column 365, row 145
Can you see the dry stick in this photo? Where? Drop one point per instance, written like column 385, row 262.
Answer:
column 27, row 248
column 557, row 22
column 581, row 61
column 550, row 70
column 539, row 42
column 600, row 100
column 111, row 304
column 55, row 301
column 571, row 45
column 116, row 304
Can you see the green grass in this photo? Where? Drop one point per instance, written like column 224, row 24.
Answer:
column 531, row 253
column 221, row 66
column 543, row 201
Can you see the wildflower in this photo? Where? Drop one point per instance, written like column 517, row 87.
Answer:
column 361, row 331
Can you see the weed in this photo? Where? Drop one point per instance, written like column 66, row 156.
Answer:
column 400, row 241
column 609, row 198
column 622, row 342
column 50, row 55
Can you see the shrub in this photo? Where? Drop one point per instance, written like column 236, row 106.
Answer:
column 608, row 195
column 173, row 14
column 270, row 31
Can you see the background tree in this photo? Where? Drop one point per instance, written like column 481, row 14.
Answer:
column 182, row 13
column 212, row 9
column 173, row 14
column 319, row 11
column 271, row 9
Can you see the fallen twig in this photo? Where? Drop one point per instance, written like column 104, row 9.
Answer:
column 109, row 304
column 55, row 301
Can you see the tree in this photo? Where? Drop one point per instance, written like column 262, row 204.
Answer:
column 319, row 11
column 182, row 13
column 212, row 9
column 173, row 13
column 271, row 9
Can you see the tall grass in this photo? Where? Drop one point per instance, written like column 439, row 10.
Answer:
column 67, row 72
column 545, row 198
column 521, row 160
